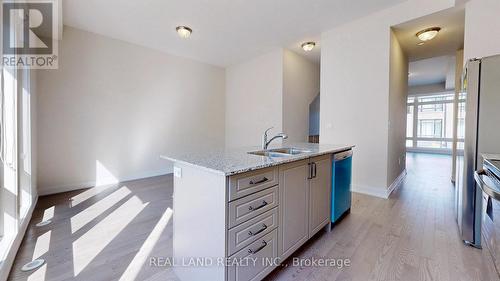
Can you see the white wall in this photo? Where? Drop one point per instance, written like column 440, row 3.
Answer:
column 112, row 108
column 300, row 87
column 355, row 88
column 254, row 99
column 272, row 90
column 398, row 93
column 482, row 29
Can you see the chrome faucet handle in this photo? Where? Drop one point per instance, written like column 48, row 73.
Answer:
column 264, row 138
column 267, row 130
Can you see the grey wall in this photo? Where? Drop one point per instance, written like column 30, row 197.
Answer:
column 314, row 116
column 300, row 86
column 427, row 89
column 398, row 88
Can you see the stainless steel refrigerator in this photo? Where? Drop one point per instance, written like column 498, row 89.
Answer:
column 481, row 90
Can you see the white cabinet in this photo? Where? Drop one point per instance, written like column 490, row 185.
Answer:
column 305, row 188
column 294, row 206
column 319, row 193
column 260, row 255
column 252, row 205
column 264, row 214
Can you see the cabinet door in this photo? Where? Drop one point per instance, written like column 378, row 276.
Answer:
column 294, row 204
column 320, row 193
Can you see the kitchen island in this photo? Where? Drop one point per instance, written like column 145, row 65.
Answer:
column 239, row 212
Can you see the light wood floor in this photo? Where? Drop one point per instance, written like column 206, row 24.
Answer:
column 110, row 234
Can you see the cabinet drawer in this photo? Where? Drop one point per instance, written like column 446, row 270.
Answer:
column 251, row 182
column 251, row 206
column 263, row 252
column 251, row 230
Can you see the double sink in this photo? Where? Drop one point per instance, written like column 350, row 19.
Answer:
column 280, row 152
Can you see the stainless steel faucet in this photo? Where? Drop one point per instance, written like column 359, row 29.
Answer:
column 265, row 142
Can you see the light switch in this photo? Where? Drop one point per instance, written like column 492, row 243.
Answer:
column 177, row 172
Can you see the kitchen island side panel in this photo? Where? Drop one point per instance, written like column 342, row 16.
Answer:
column 199, row 228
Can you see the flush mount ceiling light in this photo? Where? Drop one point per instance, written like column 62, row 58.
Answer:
column 184, row 31
column 308, row 46
column 428, row 33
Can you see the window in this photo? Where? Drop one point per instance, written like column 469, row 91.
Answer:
column 8, row 153
column 461, row 128
column 431, row 108
column 429, row 121
column 430, row 128
column 16, row 183
column 409, row 122
column 15, row 153
column 461, row 106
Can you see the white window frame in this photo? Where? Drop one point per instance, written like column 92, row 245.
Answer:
column 414, row 137
column 10, row 200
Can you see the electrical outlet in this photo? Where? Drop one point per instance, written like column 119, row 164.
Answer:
column 177, row 172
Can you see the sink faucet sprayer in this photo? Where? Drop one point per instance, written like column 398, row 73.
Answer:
column 265, row 142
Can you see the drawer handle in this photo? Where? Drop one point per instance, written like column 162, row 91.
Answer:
column 264, row 244
column 264, row 227
column 252, row 208
column 259, row 181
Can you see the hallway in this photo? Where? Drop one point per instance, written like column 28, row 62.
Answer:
column 110, row 233
column 411, row 236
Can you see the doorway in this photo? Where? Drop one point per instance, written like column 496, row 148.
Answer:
column 433, row 101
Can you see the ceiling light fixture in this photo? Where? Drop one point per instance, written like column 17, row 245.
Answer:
column 308, row 46
column 420, row 43
column 428, row 33
column 184, row 31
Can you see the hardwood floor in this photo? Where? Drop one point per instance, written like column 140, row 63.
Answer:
column 111, row 233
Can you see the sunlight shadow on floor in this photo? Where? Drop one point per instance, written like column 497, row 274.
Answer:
column 84, row 217
column 42, row 245
column 142, row 255
column 103, row 233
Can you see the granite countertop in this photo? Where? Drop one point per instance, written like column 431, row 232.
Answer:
column 491, row 156
column 234, row 161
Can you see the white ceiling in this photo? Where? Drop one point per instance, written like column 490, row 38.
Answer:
column 430, row 71
column 225, row 32
column 448, row 41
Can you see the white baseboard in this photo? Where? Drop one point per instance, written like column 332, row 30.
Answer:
column 89, row 184
column 397, row 183
column 370, row 190
column 14, row 244
column 380, row 192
